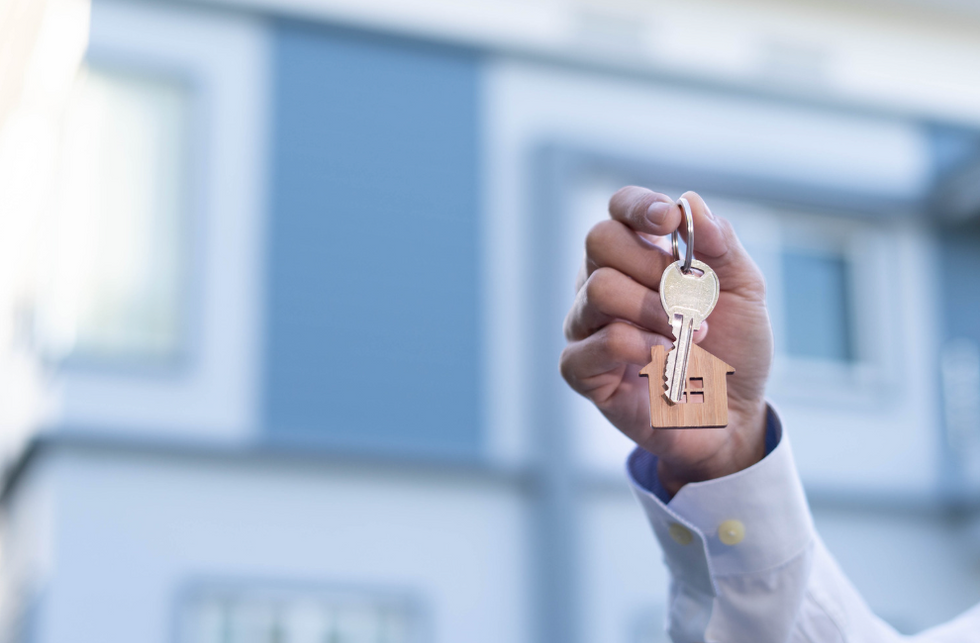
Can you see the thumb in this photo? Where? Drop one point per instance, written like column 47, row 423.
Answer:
column 716, row 244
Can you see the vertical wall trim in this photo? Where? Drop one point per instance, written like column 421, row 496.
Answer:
column 556, row 509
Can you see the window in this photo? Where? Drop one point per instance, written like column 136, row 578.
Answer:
column 816, row 295
column 113, row 289
column 259, row 616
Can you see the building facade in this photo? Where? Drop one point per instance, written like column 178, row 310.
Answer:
column 299, row 314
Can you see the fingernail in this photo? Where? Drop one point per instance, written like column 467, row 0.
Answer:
column 657, row 212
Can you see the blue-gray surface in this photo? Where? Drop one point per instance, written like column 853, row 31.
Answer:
column 373, row 321
column 818, row 319
column 960, row 276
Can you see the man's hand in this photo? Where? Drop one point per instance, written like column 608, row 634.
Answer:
column 617, row 316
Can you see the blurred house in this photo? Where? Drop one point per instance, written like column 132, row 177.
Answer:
column 296, row 316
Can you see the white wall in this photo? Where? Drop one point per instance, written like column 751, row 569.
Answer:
column 624, row 581
column 915, row 569
column 910, row 56
column 134, row 531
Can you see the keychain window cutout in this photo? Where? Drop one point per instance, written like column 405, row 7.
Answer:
column 695, row 396
column 695, row 392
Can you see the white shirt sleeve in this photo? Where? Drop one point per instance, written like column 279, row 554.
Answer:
column 747, row 565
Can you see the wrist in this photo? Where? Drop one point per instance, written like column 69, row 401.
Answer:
column 745, row 446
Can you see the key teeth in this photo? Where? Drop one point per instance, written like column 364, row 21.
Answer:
column 675, row 329
column 669, row 367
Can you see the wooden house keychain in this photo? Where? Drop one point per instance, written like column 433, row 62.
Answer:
column 688, row 385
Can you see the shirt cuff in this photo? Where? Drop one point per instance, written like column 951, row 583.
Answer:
column 747, row 522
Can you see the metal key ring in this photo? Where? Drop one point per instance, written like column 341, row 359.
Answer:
column 674, row 245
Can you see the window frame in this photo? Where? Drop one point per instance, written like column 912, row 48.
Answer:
column 191, row 595
column 212, row 393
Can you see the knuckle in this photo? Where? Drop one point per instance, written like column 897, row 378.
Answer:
column 622, row 196
column 568, row 327
column 598, row 286
column 616, row 338
column 600, row 237
column 566, row 366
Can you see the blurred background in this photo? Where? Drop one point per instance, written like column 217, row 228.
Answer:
column 282, row 283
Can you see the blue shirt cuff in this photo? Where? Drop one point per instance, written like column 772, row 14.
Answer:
column 643, row 464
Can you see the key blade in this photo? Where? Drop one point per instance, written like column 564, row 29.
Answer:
column 682, row 355
column 675, row 329
column 688, row 298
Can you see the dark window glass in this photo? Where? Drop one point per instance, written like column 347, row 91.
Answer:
column 817, row 301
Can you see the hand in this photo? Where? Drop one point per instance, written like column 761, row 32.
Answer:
column 617, row 316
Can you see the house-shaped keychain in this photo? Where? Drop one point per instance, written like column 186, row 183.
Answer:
column 705, row 399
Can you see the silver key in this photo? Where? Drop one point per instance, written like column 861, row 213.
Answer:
column 688, row 299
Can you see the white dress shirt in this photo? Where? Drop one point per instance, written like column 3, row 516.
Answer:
column 747, row 565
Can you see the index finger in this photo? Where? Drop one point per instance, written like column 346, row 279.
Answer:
column 645, row 211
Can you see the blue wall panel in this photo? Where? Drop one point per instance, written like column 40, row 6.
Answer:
column 373, row 322
column 960, row 250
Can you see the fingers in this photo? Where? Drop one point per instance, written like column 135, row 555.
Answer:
column 583, row 363
column 611, row 244
column 616, row 244
column 644, row 210
column 609, row 295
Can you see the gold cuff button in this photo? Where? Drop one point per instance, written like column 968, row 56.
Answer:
column 681, row 534
column 731, row 532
